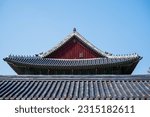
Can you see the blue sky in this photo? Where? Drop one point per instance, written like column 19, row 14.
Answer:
column 28, row 27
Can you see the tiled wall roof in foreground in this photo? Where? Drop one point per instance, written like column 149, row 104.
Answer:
column 74, row 87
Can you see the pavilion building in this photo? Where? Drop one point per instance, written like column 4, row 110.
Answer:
column 74, row 55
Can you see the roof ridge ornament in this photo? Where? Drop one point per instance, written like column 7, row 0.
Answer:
column 74, row 30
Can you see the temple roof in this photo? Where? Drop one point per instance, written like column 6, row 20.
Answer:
column 81, row 38
column 50, row 62
column 86, row 42
column 75, row 87
column 80, row 54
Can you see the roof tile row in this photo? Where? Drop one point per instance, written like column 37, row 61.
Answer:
column 68, row 62
column 74, row 88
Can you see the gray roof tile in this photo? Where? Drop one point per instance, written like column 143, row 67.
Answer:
column 50, row 62
column 74, row 87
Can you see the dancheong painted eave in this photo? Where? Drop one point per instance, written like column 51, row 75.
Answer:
column 74, row 55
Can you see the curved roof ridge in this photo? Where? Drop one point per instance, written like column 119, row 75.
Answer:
column 67, row 38
column 99, row 58
column 57, row 46
column 76, row 77
column 70, row 63
column 125, row 56
column 90, row 44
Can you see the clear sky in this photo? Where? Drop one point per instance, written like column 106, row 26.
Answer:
column 28, row 27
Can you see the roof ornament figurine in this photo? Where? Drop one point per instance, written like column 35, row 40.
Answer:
column 74, row 30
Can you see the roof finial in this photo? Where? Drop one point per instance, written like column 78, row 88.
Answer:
column 74, row 30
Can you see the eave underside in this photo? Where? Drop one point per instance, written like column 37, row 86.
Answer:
column 106, row 69
column 36, row 65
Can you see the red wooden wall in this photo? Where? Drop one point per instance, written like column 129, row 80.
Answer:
column 74, row 49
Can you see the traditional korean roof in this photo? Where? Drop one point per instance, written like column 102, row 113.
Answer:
column 75, row 87
column 122, row 64
column 79, row 37
column 50, row 62
column 86, row 42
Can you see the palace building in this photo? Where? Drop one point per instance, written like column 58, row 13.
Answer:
column 73, row 55
column 74, row 70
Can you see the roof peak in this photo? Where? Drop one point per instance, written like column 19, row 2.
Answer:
column 74, row 30
column 80, row 37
